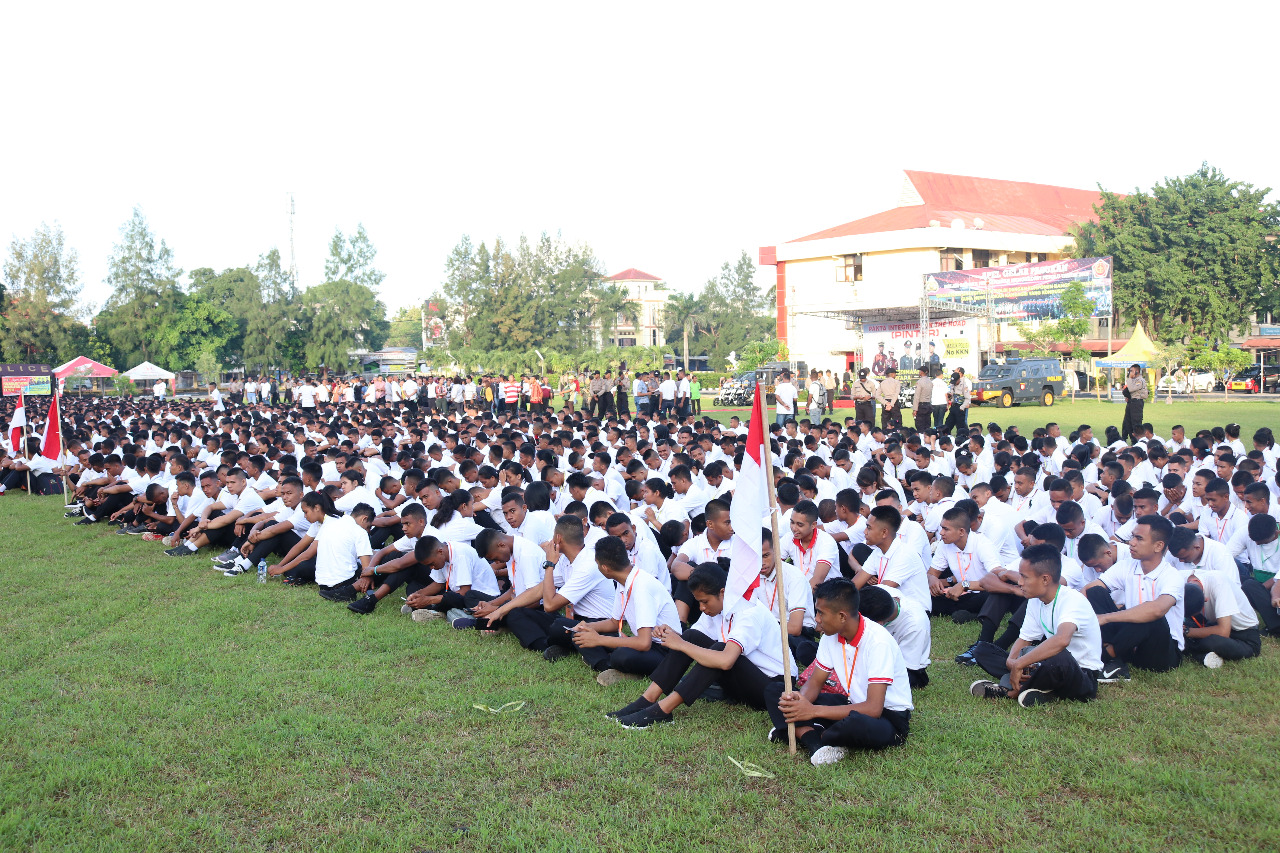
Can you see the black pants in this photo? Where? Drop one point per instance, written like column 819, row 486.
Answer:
column 1132, row 419
column 606, row 404
column 530, row 626
column 1061, row 673
column 697, row 406
column 382, row 535
column 993, row 610
column 924, row 416
column 971, row 601
column 279, row 545
column 1260, row 597
column 111, row 505
column 856, row 731
column 956, row 417
column 890, row 415
column 635, row 661
column 865, row 410
column 303, row 573
column 743, row 682
column 1145, row 645
column 413, row 578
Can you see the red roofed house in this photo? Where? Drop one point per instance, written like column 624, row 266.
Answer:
column 650, row 295
column 832, row 282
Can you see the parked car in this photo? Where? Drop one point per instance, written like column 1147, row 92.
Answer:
column 1198, row 381
column 1019, row 380
column 1256, row 379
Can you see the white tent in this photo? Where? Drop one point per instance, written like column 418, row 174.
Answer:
column 147, row 371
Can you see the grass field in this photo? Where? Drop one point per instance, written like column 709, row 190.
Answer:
column 152, row 704
column 1208, row 412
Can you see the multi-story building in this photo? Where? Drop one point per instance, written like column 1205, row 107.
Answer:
column 847, row 290
column 650, row 294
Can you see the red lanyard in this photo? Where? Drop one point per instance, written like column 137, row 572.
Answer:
column 724, row 635
column 1222, row 526
column 806, row 556
column 962, row 566
column 884, row 564
column 448, row 569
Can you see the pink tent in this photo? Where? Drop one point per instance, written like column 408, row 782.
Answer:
column 84, row 367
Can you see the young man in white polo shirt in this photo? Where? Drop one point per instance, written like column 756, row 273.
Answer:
column 741, row 650
column 801, row 629
column 342, row 553
column 906, row 622
column 809, row 549
column 892, row 561
column 1147, row 632
column 960, row 564
column 642, row 604
column 1058, row 653
column 875, row 710
column 1220, row 622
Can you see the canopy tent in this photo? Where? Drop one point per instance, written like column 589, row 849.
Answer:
column 84, row 367
column 148, row 371
column 1138, row 350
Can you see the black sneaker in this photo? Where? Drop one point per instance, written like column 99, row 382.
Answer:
column 227, row 556
column 463, row 623
column 986, row 689
column 338, row 593
column 646, row 718
column 777, row 735
column 1114, row 671
column 962, row 616
column 966, row 657
column 75, row 513
column 364, row 606
column 123, row 531
column 627, row 710
column 553, row 653
column 84, row 521
column 180, row 551
column 1030, row 697
column 234, row 570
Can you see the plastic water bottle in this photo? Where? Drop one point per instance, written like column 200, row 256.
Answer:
column 262, row 571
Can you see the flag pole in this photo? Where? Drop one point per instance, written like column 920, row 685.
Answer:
column 767, row 456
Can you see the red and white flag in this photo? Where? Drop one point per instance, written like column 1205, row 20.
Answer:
column 17, row 426
column 51, row 445
column 748, row 511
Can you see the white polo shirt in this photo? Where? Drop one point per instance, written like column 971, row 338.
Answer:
column 902, row 566
column 642, row 602
column 539, row 526
column 647, row 557
column 466, row 568
column 972, row 564
column 1215, row 559
column 797, row 589
column 753, row 629
column 910, row 629
column 1044, row 620
column 524, row 569
column 873, row 657
column 590, row 592
column 807, row 556
column 1137, row 587
column 1222, row 598
column 340, row 542
column 1223, row 529
column 698, row 549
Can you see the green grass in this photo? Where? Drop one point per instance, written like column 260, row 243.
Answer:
column 152, row 704
column 1249, row 412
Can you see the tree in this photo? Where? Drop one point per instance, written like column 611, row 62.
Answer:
column 1075, row 309
column 199, row 327
column 680, row 314
column 1222, row 361
column 39, row 300
column 339, row 317
column 351, row 259
column 1169, row 357
column 405, row 329
column 1192, row 256
column 269, row 339
column 613, row 304
column 145, row 295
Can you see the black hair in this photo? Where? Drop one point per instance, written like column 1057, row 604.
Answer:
column 611, row 552
column 838, row 592
column 1261, row 528
column 323, row 502
column 449, row 505
column 875, row 603
column 1069, row 512
column 1044, row 560
column 1180, row 539
column 1050, row 534
column 425, row 547
column 707, row 578
column 1161, row 528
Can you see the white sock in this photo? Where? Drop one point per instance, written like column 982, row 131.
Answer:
column 191, row 545
column 243, row 562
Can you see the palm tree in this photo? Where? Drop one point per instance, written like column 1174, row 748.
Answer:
column 680, row 313
column 614, row 303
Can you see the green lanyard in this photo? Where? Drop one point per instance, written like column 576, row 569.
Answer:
column 1262, row 575
column 1053, row 608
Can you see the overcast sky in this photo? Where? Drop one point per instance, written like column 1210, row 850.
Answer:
column 669, row 137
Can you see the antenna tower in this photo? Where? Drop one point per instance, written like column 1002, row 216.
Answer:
column 293, row 258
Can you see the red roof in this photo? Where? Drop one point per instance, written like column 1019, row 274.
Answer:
column 1006, row 206
column 633, row 274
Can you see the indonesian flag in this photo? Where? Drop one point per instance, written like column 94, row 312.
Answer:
column 16, row 427
column 747, row 513
column 51, row 445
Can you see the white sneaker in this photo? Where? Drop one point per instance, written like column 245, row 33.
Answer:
column 426, row 615
column 828, row 755
column 1213, row 660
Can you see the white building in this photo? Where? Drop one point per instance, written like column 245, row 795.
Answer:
column 650, row 294
column 866, row 278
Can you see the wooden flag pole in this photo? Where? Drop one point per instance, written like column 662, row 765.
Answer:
column 767, row 457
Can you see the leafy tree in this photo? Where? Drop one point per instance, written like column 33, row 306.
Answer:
column 339, row 317
column 406, row 328
column 1070, row 328
column 145, row 296
column 732, row 313
column 351, row 259
column 1169, row 357
column 201, row 326
column 680, row 315
column 613, row 304
column 236, row 291
column 1222, row 361
column 39, row 300
column 1192, row 256
column 269, row 336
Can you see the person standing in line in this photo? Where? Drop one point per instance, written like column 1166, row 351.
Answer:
column 829, row 384
column 864, row 397
column 922, row 402
column 887, row 395
column 785, row 396
column 1135, row 395
column 620, row 396
column 939, row 397
column 956, row 400
column 816, row 392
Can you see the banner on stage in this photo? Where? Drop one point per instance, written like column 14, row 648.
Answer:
column 1026, row 291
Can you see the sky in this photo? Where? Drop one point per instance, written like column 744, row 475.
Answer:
column 667, row 136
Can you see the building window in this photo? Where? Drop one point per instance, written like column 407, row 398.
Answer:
column 849, row 268
column 952, row 260
column 981, row 258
